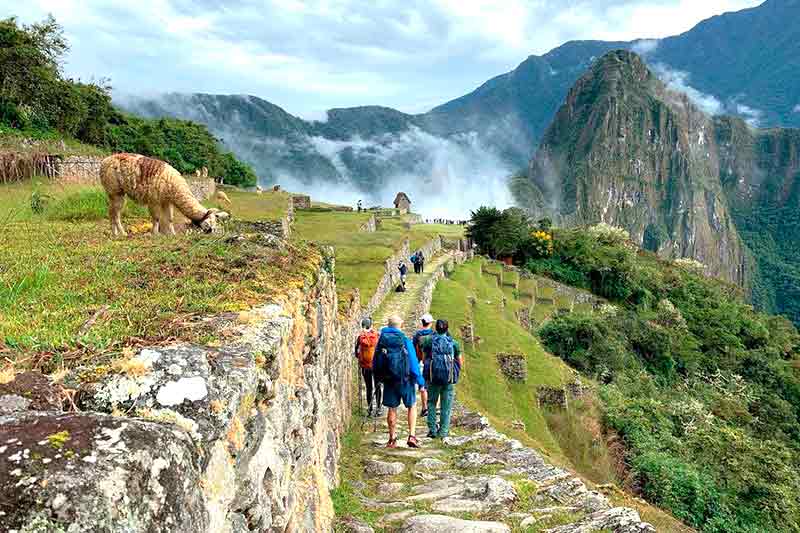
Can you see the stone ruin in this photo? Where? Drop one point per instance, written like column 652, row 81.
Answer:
column 514, row 366
column 551, row 397
column 301, row 201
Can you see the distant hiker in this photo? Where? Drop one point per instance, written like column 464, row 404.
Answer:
column 396, row 366
column 414, row 262
column 365, row 352
column 421, row 262
column 403, row 273
column 358, row 206
column 427, row 321
column 443, row 363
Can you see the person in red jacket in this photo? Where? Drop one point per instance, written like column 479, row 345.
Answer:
column 365, row 352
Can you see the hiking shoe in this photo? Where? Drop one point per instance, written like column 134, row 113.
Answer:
column 412, row 442
column 431, row 435
column 378, row 412
column 424, row 412
column 392, row 442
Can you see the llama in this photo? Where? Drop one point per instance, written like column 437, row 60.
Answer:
column 221, row 197
column 157, row 185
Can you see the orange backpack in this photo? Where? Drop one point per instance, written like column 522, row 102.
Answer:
column 366, row 348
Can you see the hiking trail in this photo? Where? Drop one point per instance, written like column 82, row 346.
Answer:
column 475, row 481
column 404, row 304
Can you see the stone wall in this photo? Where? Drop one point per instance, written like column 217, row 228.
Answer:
column 202, row 188
column 370, row 226
column 301, row 201
column 244, row 437
column 390, row 279
column 78, row 169
column 424, row 304
column 514, row 366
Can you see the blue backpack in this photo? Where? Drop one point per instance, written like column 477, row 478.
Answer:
column 444, row 370
column 391, row 359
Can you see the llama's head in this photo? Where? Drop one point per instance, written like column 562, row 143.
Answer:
column 212, row 220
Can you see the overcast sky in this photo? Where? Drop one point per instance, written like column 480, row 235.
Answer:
column 307, row 56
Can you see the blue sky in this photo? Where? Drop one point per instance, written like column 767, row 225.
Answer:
column 308, row 56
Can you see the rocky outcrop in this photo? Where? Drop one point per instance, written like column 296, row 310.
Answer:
column 239, row 437
column 625, row 150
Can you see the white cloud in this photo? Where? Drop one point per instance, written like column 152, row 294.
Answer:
column 797, row 108
column 679, row 81
column 314, row 54
column 750, row 115
column 645, row 46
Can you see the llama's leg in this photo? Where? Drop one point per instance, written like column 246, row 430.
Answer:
column 154, row 218
column 116, row 204
column 166, row 219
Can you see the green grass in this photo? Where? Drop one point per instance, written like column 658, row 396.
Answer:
column 483, row 386
column 69, row 293
column 269, row 205
column 571, row 438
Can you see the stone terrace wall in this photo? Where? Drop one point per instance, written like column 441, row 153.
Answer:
column 78, row 169
column 202, row 188
column 424, row 304
column 390, row 279
column 370, row 226
column 240, row 438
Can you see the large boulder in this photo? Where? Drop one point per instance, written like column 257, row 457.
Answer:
column 97, row 473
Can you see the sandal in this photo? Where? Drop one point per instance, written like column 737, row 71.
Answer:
column 392, row 442
column 412, row 442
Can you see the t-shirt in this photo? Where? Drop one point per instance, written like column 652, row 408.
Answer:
column 418, row 336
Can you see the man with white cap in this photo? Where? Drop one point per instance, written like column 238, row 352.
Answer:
column 427, row 321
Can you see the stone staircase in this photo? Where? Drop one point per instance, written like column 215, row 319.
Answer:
column 475, row 481
column 404, row 304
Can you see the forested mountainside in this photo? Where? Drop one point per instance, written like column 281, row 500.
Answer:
column 727, row 57
column 626, row 150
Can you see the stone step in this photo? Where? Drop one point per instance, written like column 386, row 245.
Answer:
column 446, row 524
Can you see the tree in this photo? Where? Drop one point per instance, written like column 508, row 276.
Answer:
column 498, row 233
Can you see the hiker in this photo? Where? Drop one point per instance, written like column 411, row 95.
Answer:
column 443, row 363
column 415, row 262
column 427, row 321
column 403, row 272
column 358, row 206
column 365, row 352
column 421, row 262
column 396, row 365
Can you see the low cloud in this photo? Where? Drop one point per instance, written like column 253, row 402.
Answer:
column 645, row 46
column 678, row 80
column 750, row 115
column 797, row 108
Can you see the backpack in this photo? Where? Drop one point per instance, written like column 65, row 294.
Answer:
column 444, row 370
column 418, row 336
column 366, row 348
column 390, row 365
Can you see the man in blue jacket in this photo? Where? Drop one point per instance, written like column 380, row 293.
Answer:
column 395, row 351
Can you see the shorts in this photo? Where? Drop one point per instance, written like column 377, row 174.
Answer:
column 393, row 394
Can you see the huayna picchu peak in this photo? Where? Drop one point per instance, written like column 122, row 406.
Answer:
column 626, row 150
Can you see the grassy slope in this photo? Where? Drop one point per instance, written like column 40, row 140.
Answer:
column 61, row 269
column 12, row 140
column 570, row 438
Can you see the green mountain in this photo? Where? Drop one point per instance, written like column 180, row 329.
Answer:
column 626, row 150
column 745, row 63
